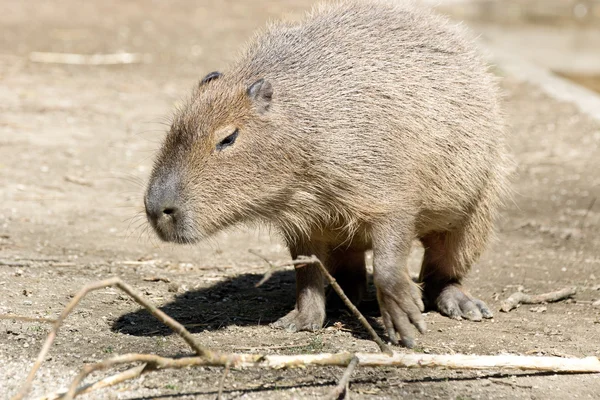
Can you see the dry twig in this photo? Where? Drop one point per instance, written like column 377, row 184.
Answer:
column 27, row 319
column 382, row 346
column 302, row 261
column 14, row 264
column 222, row 382
column 342, row 388
column 109, row 381
column 273, row 267
column 400, row 360
column 87, row 59
column 518, row 298
column 206, row 357
column 78, row 181
column 509, row 383
column 157, row 279
column 160, row 315
column 279, row 347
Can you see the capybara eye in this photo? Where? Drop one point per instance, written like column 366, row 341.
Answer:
column 228, row 141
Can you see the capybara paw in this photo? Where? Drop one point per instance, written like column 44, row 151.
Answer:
column 401, row 308
column 296, row 321
column 453, row 302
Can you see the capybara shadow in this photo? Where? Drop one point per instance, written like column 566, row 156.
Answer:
column 236, row 301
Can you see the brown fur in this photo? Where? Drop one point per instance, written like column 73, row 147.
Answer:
column 376, row 123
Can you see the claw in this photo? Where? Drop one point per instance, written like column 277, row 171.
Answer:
column 408, row 342
column 453, row 302
column 296, row 321
column 399, row 310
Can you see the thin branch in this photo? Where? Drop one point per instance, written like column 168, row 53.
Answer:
column 87, row 59
column 109, row 381
column 269, row 272
column 400, row 360
column 587, row 211
column 280, row 347
column 206, row 357
column 342, row 388
column 222, row 382
column 340, row 292
column 53, row 332
column 28, row 319
column 158, row 314
column 518, row 298
column 170, row 322
column 102, row 365
column 14, row 264
column 299, row 263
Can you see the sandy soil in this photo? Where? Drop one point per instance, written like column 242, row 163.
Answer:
column 76, row 145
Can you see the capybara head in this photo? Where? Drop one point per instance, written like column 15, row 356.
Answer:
column 223, row 161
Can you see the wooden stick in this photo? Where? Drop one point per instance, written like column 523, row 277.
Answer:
column 280, row 347
column 518, row 298
column 401, row 360
column 53, row 332
column 78, row 181
column 343, row 386
column 222, row 382
column 206, row 357
column 109, row 381
column 160, row 315
column 303, row 260
column 14, row 263
column 27, row 319
column 87, row 59
column 340, row 292
column 276, row 266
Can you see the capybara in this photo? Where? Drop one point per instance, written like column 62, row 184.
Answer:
column 366, row 125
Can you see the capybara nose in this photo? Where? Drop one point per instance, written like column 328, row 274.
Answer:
column 160, row 202
column 159, row 208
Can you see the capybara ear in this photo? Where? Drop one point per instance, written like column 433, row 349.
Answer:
column 211, row 76
column 261, row 93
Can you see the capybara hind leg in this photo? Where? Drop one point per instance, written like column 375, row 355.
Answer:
column 350, row 272
column 448, row 257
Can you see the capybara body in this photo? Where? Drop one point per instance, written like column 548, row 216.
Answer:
column 366, row 125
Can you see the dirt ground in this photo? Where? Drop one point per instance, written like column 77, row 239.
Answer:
column 76, row 145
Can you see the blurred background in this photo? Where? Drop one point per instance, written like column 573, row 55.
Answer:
column 561, row 35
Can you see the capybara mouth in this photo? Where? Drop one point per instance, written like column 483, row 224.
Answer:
column 170, row 231
column 179, row 239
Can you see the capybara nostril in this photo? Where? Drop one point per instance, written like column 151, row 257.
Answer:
column 159, row 205
column 169, row 211
column 161, row 199
column 155, row 210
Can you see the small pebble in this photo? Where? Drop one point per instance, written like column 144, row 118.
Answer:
column 173, row 287
column 539, row 309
